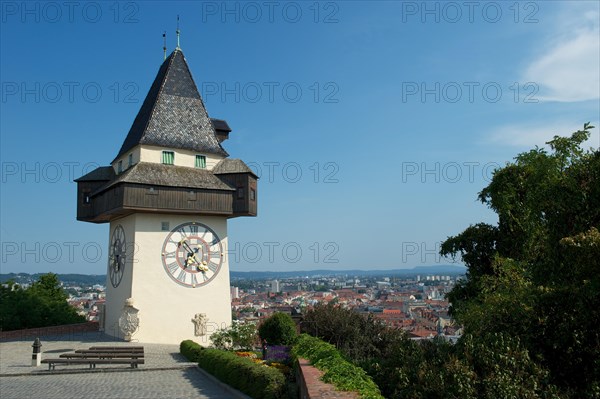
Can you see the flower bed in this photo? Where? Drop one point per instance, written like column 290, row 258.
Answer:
column 282, row 365
column 278, row 353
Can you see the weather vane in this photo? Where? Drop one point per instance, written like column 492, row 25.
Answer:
column 164, row 45
column 178, row 32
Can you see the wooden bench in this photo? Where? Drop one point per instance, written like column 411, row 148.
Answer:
column 108, row 351
column 103, row 355
column 132, row 355
column 92, row 362
column 117, row 348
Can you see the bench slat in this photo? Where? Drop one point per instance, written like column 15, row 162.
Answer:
column 92, row 362
column 106, row 355
column 106, row 351
column 117, row 348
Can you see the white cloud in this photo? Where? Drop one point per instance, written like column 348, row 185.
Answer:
column 528, row 135
column 568, row 68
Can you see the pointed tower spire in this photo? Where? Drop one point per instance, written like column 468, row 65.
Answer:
column 173, row 114
column 178, row 32
column 164, row 45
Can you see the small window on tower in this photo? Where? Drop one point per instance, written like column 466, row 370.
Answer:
column 240, row 192
column 168, row 157
column 120, row 167
column 164, row 226
column 130, row 161
column 252, row 194
column 87, row 198
column 201, row 161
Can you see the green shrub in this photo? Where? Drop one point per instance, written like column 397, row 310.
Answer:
column 337, row 370
column 278, row 329
column 256, row 380
column 238, row 336
column 190, row 349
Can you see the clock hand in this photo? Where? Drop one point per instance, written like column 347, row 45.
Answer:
column 184, row 243
column 191, row 257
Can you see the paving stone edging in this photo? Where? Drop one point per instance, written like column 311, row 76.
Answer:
column 235, row 393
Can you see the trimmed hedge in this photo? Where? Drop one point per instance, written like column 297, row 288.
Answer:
column 191, row 350
column 256, row 380
column 337, row 371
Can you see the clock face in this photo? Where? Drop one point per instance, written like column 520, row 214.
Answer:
column 192, row 254
column 117, row 256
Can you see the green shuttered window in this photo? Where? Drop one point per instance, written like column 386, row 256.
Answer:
column 201, row 161
column 168, row 157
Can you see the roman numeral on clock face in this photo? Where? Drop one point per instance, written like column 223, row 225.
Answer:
column 172, row 267
column 213, row 266
column 181, row 276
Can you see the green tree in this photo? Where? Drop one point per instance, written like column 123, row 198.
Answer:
column 278, row 329
column 360, row 337
column 41, row 305
column 536, row 275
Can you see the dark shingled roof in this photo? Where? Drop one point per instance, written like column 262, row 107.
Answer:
column 173, row 114
column 228, row 165
column 157, row 174
column 103, row 173
column 220, row 124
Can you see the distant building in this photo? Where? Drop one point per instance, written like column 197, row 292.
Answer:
column 275, row 286
column 235, row 293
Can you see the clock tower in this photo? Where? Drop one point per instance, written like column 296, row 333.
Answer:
column 167, row 196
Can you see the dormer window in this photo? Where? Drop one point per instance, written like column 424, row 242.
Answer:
column 130, row 160
column 201, row 161
column 120, row 167
column 168, row 157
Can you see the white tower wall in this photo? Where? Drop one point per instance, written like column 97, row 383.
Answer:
column 166, row 309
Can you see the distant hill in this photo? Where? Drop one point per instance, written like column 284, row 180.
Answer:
column 421, row 270
column 89, row 280
column 78, row 279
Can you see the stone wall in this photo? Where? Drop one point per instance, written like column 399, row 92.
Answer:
column 311, row 386
column 67, row 329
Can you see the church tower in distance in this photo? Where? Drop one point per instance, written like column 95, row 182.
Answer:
column 167, row 196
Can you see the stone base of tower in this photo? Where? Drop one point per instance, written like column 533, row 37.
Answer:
column 148, row 306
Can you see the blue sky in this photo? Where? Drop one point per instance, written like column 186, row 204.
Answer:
column 373, row 125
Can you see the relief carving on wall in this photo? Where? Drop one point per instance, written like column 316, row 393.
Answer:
column 199, row 321
column 129, row 321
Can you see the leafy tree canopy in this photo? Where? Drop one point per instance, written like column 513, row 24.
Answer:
column 43, row 304
column 536, row 275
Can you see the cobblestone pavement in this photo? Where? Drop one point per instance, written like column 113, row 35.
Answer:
column 165, row 374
